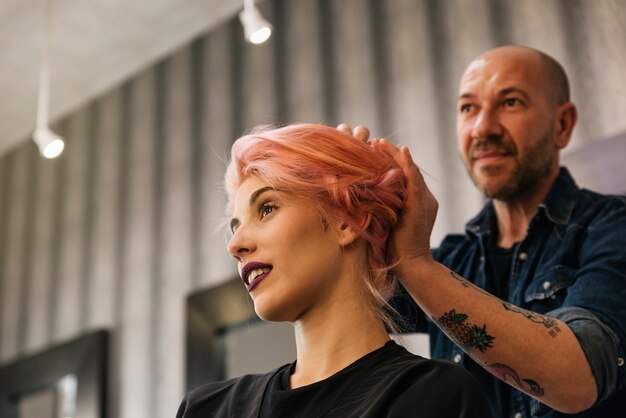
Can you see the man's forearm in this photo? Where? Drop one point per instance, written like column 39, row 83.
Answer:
column 532, row 352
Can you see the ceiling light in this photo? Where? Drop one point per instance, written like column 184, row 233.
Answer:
column 50, row 144
column 256, row 29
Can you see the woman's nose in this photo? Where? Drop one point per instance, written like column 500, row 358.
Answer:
column 241, row 243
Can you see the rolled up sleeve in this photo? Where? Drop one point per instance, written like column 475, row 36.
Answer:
column 600, row 345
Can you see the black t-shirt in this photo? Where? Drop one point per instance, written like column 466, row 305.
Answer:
column 388, row 382
column 498, row 271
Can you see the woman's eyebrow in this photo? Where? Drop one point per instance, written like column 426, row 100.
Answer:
column 254, row 196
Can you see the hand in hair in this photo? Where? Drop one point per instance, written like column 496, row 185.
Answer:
column 360, row 132
column 411, row 237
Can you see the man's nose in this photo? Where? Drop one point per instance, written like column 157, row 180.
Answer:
column 487, row 124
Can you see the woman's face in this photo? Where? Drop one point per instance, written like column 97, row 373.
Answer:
column 288, row 257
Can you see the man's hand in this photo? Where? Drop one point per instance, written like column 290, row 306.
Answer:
column 411, row 237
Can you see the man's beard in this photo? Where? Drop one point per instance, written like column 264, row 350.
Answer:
column 534, row 166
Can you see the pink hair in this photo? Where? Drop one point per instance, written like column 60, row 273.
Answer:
column 351, row 183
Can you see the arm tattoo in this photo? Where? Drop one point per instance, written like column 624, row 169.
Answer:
column 510, row 376
column 467, row 284
column 549, row 323
column 463, row 333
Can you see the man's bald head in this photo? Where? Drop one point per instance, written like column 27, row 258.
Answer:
column 556, row 81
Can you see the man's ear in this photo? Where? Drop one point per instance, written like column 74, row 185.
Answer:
column 347, row 234
column 567, row 115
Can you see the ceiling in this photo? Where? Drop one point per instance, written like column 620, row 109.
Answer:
column 95, row 44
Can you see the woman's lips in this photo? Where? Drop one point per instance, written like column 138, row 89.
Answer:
column 253, row 273
column 256, row 281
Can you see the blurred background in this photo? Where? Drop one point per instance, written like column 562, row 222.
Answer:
column 125, row 227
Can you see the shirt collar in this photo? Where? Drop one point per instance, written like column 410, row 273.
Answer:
column 557, row 206
column 559, row 203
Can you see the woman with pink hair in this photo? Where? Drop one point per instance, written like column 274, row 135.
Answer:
column 312, row 210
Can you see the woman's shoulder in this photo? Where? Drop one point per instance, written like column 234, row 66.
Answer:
column 430, row 385
column 223, row 398
column 398, row 383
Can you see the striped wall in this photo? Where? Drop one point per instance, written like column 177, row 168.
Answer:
column 122, row 227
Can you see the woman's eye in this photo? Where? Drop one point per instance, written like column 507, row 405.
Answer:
column 266, row 209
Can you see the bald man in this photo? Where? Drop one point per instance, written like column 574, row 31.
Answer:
column 532, row 298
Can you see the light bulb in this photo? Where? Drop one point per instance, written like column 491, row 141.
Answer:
column 50, row 144
column 260, row 35
column 256, row 29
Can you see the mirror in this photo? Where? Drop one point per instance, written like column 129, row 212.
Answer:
column 64, row 381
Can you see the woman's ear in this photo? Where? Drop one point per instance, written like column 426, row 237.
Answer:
column 347, row 234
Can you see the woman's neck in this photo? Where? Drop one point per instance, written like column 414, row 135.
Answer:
column 331, row 339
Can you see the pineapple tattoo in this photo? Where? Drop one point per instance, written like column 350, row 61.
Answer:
column 463, row 333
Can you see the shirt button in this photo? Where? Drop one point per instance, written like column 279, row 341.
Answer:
column 517, row 415
column 457, row 358
column 546, row 285
column 620, row 361
column 522, row 256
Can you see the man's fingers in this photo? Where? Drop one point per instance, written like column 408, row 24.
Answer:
column 387, row 147
column 361, row 133
column 345, row 128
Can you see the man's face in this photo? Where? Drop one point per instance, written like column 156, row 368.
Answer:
column 506, row 124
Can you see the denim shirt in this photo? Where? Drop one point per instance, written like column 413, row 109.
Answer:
column 572, row 266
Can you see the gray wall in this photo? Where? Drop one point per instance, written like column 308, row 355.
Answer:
column 121, row 228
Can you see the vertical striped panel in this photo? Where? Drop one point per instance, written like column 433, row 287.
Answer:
column 197, row 88
column 500, row 21
column 38, row 301
column 30, row 192
column 102, row 272
column 57, row 236
column 216, row 266
column 356, row 100
column 91, row 160
column 13, row 247
column 237, row 64
column 156, row 291
column 609, row 67
column 5, row 191
column 136, row 345
column 176, row 255
column 597, row 72
column 279, row 20
column 67, row 315
column 534, row 24
column 304, row 78
column 328, row 59
column 380, row 62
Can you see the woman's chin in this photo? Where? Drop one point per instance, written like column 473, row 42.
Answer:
column 273, row 313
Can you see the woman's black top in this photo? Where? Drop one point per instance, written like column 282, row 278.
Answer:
column 388, row 382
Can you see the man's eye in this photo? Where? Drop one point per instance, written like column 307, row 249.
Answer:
column 511, row 102
column 465, row 108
